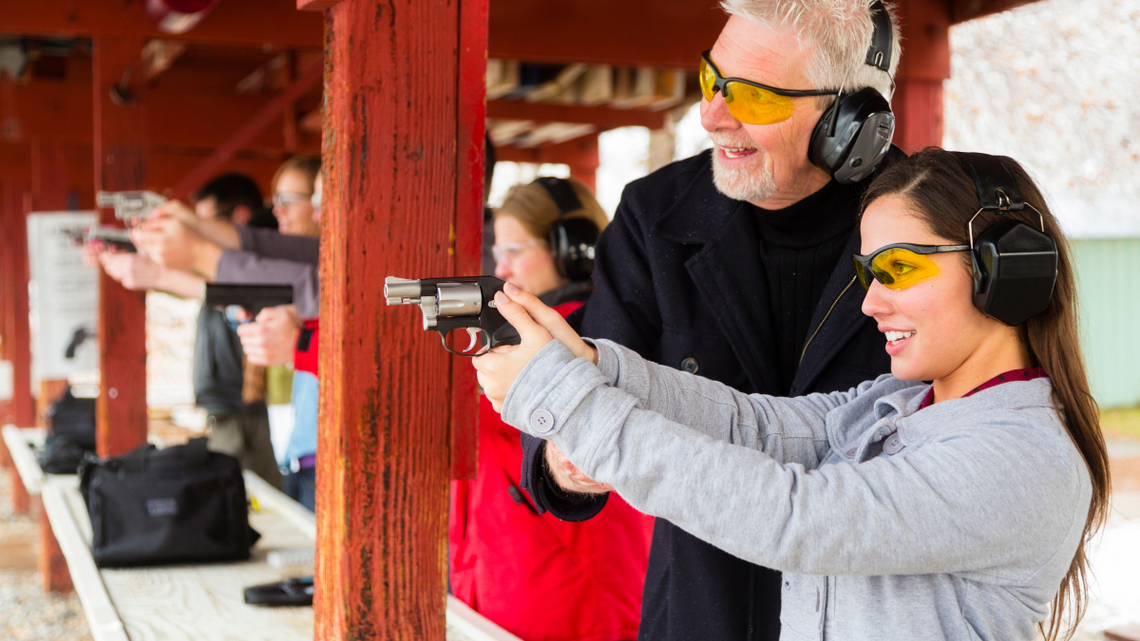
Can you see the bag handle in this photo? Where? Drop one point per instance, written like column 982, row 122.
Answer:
column 195, row 453
column 136, row 459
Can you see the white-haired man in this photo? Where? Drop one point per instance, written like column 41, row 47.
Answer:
column 734, row 265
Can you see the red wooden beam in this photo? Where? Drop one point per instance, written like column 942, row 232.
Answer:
column 120, row 164
column 963, row 10
column 274, row 23
column 472, row 103
column 603, row 117
column 581, row 152
column 391, row 160
column 17, row 335
column 270, row 112
column 917, row 102
column 653, row 33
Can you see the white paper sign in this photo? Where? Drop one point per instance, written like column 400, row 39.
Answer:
column 63, row 296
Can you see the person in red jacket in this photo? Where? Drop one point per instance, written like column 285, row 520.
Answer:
column 538, row 577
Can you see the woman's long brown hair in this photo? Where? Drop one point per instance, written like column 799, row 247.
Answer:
column 936, row 186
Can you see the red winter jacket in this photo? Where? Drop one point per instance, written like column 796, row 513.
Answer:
column 540, row 578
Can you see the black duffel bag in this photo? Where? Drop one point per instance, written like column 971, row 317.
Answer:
column 174, row 505
column 74, row 419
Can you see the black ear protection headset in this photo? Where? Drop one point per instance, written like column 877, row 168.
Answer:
column 572, row 240
column 1015, row 265
column 854, row 134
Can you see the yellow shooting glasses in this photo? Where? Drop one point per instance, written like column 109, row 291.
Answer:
column 751, row 102
column 900, row 265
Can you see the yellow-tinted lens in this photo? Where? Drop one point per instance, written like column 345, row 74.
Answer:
column 756, row 106
column 707, row 80
column 900, row 268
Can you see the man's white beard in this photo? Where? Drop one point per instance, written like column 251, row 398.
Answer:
column 752, row 186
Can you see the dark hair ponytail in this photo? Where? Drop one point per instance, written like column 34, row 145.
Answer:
column 938, row 190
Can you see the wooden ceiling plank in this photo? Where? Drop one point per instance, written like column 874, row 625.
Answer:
column 260, row 22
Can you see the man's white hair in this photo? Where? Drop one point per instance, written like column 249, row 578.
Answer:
column 839, row 31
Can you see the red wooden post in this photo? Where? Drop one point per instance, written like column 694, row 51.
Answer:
column 925, row 63
column 17, row 336
column 402, row 130
column 584, row 164
column 50, row 185
column 120, row 164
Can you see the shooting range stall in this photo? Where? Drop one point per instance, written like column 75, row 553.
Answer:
column 105, row 100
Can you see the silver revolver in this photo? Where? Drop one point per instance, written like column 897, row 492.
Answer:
column 450, row 304
column 129, row 205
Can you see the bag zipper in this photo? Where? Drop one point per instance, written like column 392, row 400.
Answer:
column 825, row 316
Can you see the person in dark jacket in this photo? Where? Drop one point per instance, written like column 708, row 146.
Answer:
column 733, row 265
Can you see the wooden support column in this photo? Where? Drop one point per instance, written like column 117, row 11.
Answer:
column 925, row 63
column 584, row 163
column 17, row 336
column 120, row 164
column 50, row 192
column 52, row 564
column 403, row 131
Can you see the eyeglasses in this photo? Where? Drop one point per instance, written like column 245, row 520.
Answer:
column 508, row 252
column 900, row 265
column 751, row 102
column 286, row 198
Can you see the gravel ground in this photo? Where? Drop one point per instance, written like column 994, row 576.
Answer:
column 26, row 612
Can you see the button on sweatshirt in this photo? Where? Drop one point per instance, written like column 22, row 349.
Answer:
column 955, row 522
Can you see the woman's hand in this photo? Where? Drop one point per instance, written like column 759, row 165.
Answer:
column 537, row 325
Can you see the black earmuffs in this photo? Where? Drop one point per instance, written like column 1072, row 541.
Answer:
column 1015, row 265
column 572, row 240
column 854, row 134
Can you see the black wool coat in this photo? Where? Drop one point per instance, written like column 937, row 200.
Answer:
column 678, row 279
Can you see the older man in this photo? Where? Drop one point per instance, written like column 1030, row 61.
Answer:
column 735, row 265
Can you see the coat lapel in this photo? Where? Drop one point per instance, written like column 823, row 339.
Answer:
column 836, row 319
column 726, row 272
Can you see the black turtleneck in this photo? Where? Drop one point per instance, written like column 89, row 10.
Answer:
column 800, row 246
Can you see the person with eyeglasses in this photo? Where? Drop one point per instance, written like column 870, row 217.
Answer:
column 954, row 498
column 293, row 188
column 538, row 577
column 732, row 265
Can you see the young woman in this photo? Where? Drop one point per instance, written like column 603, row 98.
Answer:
column 538, row 577
column 956, row 509
column 293, row 189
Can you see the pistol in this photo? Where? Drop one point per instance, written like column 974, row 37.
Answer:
column 462, row 302
column 249, row 298
column 111, row 236
column 129, row 205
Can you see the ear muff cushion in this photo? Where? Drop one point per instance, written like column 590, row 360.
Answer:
column 1015, row 270
column 572, row 242
column 864, row 127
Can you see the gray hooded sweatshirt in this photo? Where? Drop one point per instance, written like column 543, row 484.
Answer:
column 955, row 522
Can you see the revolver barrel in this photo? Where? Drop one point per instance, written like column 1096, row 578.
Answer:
column 129, row 205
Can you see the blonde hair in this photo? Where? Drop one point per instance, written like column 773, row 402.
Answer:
column 536, row 210
column 308, row 166
column 840, row 33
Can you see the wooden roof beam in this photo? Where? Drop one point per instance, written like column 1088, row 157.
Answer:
column 647, row 33
column 270, row 112
column 251, row 22
column 963, row 10
column 603, row 117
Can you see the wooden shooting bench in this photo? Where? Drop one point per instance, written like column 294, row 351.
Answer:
column 205, row 601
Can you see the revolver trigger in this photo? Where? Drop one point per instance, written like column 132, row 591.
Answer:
column 473, row 333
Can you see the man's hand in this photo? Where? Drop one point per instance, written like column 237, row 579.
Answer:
column 170, row 238
column 272, row 338
column 568, row 476
column 537, row 325
column 135, row 272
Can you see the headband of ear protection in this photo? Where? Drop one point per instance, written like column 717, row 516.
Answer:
column 854, row 134
column 572, row 240
column 1015, row 265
